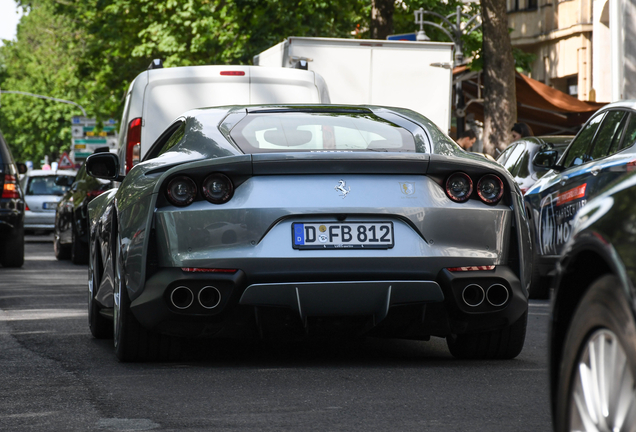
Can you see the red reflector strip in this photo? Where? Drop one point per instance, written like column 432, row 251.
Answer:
column 232, row 73
column 471, row 268
column 571, row 195
column 207, row 270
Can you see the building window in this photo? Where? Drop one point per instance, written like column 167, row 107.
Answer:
column 532, row 4
column 573, row 86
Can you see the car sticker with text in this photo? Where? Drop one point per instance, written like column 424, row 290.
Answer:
column 557, row 216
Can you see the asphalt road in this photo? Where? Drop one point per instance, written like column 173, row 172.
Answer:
column 55, row 376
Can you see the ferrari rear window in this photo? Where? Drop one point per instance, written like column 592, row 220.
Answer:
column 320, row 131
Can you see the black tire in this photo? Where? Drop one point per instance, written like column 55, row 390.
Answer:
column 133, row 342
column 12, row 253
column 62, row 252
column 539, row 285
column 79, row 249
column 505, row 343
column 603, row 308
column 100, row 326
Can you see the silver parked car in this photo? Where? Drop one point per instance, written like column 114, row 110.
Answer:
column 295, row 221
column 42, row 191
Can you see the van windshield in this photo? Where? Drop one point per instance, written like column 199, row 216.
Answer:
column 320, row 131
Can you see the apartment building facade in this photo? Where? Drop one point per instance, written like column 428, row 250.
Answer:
column 585, row 48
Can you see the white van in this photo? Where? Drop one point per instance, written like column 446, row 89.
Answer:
column 158, row 96
column 414, row 75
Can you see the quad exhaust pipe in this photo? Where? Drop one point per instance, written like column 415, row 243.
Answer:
column 183, row 297
column 473, row 295
column 496, row 295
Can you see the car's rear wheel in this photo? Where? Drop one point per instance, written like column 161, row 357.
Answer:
column 598, row 364
column 505, row 343
column 62, row 252
column 132, row 341
column 79, row 250
column 12, row 252
column 100, row 326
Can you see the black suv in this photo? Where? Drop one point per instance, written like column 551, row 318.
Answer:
column 11, row 209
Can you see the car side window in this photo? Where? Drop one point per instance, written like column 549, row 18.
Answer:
column 577, row 153
column 511, row 163
column 609, row 134
column 167, row 140
column 173, row 140
column 514, row 162
column 503, row 157
column 629, row 136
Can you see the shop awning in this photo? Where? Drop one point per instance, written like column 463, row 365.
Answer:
column 548, row 111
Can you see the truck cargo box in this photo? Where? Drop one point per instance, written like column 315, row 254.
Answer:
column 414, row 75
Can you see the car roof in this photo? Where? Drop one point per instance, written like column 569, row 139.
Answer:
column 45, row 173
column 628, row 103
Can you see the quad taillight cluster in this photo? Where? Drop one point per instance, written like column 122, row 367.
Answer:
column 217, row 188
column 459, row 188
column 10, row 188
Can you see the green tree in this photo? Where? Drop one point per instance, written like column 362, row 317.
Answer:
column 42, row 61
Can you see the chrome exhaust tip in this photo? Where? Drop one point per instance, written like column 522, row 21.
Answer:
column 209, row 297
column 473, row 295
column 182, row 297
column 497, row 295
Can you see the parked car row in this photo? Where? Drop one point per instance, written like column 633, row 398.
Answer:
column 299, row 220
column 11, row 209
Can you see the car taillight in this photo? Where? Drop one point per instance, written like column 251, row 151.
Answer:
column 459, row 187
column 217, row 188
column 490, row 189
column 26, row 207
column 133, row 143
column 181, row 191
column 10, row 189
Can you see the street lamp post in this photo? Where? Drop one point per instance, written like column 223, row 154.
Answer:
column 45, row 97
column 454, row 31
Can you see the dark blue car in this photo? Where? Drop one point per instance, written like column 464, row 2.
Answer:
column 602, row 152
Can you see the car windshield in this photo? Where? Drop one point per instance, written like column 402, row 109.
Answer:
column 330, row 131
column 45, row 185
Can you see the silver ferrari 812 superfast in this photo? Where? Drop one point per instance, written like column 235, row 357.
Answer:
column 289, row 221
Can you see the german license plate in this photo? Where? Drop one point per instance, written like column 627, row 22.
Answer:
column 342, row 235
column 49, row 205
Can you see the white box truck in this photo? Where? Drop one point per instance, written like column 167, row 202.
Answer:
column 414, row 75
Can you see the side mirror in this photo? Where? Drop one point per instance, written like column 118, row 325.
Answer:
column 546, row 160
column 22, row 168
column 103, row 166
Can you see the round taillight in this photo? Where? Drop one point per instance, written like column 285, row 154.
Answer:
column 490, row 189
column 181, row 191
column 459, row 187
column 217, row 188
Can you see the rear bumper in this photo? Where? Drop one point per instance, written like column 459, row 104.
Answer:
column 39, row 220
column 417, row 308
column 11, row 217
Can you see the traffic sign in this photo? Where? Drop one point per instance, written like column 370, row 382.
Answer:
column 403, row 37
column 65, row 162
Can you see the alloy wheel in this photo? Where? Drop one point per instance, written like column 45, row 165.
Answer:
column 602, row 397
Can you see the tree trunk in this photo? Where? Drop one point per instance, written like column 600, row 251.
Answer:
column 381, row 18
column 500, row 100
